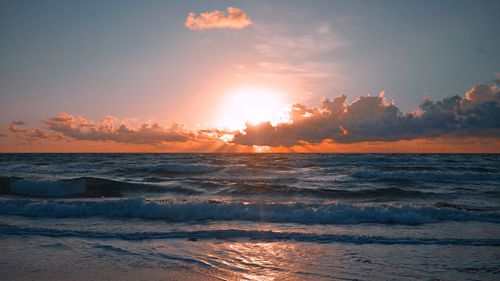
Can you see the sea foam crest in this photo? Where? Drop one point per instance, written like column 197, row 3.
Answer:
column 263, row 212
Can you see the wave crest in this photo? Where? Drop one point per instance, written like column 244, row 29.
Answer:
column 301, row 213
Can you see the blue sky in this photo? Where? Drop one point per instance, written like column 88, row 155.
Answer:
column 136, row 59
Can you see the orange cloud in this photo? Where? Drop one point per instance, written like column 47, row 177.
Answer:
column 235, row 19
column 112, row 129
column 368, row 124
column 482, row 93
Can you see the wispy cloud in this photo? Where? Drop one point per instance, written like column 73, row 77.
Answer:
column 300, row 57
column 234, row 19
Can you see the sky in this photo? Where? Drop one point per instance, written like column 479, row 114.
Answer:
column 182, row 76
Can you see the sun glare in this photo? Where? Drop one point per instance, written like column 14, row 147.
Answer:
column 253, row 105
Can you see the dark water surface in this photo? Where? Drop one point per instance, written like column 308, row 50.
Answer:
column 256, row 216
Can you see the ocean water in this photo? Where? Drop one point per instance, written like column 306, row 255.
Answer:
column 250, row 217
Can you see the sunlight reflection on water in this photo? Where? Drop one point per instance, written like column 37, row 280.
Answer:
column 262, row 261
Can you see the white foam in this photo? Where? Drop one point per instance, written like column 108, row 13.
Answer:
column 264, row 212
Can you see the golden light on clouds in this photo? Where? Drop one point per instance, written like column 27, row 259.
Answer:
column 234, row 19
column 252, row 105
column 260, row 119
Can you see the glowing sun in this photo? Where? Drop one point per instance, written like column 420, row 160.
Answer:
column 253, row 105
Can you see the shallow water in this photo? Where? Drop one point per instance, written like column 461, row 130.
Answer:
column 255, row 217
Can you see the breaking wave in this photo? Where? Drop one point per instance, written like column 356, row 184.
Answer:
column 185, row 211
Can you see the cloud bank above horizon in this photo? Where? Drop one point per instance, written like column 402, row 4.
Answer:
column 374, row 118
column 367, row 119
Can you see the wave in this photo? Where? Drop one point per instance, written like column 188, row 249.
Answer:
column 276, row 189
column 302, row 213
column 182, row 168
column 228, row 234
column 440, row 204
column 422, row 176
column 88, row 187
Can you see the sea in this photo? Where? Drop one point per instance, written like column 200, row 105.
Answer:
column 249, row 216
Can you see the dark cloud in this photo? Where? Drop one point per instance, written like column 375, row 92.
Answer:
column 372, row 118
column 31, row 136
column 18, row 123
column 112, row 129
column 367, row 119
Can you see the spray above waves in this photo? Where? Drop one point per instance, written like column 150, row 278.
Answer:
column 196, row 211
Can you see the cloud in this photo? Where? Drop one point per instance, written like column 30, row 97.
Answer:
column 234, row 19
column 32, row 136
column 467, row 123
column 301, row 57
column 482, row 93
column 373, row 118
column 112, row 129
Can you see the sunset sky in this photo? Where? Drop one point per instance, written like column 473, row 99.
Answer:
column 179, row 76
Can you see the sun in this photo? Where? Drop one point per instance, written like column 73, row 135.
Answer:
column 252, row 105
